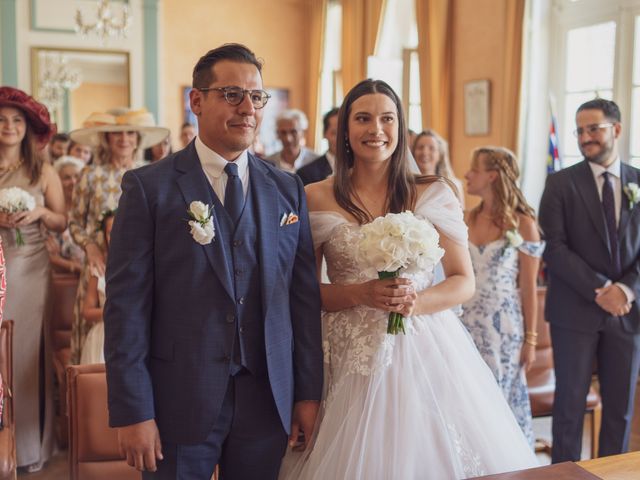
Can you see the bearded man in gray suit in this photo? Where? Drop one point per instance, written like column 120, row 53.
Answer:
column 591, row 220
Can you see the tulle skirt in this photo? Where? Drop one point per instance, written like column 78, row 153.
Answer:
column 433, row 412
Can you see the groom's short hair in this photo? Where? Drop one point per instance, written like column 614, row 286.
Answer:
column 235, row 52
column 608, row 107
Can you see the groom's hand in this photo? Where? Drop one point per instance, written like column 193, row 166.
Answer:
column 304, row 419
column 140, row 444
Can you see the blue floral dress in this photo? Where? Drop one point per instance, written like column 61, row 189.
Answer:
column 494, row 318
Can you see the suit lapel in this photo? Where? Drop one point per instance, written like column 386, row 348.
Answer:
column 588, row 189
column 626, row 177
column 194, row 186
column 265, row 199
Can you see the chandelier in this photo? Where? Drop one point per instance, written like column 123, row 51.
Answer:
column 56, row 78
column 105, row 25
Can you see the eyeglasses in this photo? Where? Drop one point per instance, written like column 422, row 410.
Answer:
column 592, row 129
column 235, row 95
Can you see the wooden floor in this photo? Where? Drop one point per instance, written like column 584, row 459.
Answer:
column 58, row 468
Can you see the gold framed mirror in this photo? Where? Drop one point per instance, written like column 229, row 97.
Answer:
column 73, row 83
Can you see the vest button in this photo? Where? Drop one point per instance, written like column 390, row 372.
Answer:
column 230, row 317
column 241, row 329
column 238, row 272
column 241, row 300
column 237, row 243
column 227, row 358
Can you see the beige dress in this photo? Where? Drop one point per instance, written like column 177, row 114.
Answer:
column 27, row 269
column 97, row 190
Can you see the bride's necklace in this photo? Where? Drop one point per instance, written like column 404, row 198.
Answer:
column 11, row 168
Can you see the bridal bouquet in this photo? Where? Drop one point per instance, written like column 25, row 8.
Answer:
column 395, row 242
column 15, row 200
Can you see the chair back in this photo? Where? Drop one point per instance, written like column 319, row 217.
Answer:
column 8, row 432
column 93, row 446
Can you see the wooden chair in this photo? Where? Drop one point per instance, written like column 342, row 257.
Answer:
column 63, row 296
column 93, row 446
column 8, row 432
column 541, row 384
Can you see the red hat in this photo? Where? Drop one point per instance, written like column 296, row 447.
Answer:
column 36, row 113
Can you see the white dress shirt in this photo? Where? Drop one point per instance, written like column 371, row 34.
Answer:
column 213, row 165
column 616, row 183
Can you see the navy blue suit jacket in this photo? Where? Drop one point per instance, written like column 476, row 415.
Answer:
column 577, row 254
column 167, row 345
column 316, row 171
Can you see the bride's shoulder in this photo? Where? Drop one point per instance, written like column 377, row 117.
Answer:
column 429, row 186
column 320, row 195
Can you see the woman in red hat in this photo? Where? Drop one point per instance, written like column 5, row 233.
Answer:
column 25, row 128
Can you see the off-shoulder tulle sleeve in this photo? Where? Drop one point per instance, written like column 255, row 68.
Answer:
column 322, row 225
column 440, row 206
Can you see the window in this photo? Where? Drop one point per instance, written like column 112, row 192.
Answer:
column 598, row 55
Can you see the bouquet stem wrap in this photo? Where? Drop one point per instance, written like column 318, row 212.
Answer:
column 19, row 239
column 395, row 325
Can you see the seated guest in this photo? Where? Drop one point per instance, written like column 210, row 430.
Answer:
column 58, row 146
column 323, row 166
column 93, row 349
column 431, row 153
column 158, row 151
column 187, row 133
column 291, row 126
column 65, row 255
column 81, row 151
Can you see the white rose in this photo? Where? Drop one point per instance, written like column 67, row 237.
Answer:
column 199, row 210
column 203, row 234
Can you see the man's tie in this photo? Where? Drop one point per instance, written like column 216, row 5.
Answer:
column 233, row 193
column 609, row 207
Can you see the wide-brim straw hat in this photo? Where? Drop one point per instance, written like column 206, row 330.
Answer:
column 121, row 120
column 36, row 113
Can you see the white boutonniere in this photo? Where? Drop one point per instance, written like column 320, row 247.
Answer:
column 514, row 239
column 632, row 191
column 201, row 222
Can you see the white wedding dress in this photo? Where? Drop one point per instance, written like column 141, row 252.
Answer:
column 408, row 407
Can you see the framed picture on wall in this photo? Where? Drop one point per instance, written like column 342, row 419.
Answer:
column 278, row 103
column 477, row 107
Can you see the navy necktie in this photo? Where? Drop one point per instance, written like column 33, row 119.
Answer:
column 609, row 208
column 233, row 193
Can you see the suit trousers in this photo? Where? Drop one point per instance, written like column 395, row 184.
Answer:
column 247, row 440
column 617, row 353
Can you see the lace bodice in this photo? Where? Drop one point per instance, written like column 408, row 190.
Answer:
column 355, row 339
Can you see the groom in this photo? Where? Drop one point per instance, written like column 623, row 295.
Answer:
column 212, row 327
column 592, row 226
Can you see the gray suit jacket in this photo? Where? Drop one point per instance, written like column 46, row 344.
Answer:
column 577, row 253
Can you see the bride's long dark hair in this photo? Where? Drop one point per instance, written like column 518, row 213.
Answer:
column 401, row 183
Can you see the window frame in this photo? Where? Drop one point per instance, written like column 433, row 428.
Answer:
column 568, row 15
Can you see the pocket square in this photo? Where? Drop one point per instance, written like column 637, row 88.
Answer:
column 288, row 219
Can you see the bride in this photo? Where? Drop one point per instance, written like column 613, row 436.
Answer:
column 416, row 406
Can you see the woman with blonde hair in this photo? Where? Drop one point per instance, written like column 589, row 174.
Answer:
column 431, row 153
column 505, row 247
column 118, row 137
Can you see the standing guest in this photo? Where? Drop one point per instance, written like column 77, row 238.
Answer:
column 93, row 349
column 117, row 140
column 589, row 215
column 420, row 405
column 323, row 166
column 83, row 152
column 291, row 126
column 25, row 128
column 65, row 255
column 187, row 133
column 431, row 153
column 212, row 330
column 158, row 151
column 505, row 250
column 58, row 146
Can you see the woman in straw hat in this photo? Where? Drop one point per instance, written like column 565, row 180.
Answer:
column 25, row 129
column 118, row 137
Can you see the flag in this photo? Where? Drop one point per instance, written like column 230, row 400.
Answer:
column 553, row 158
